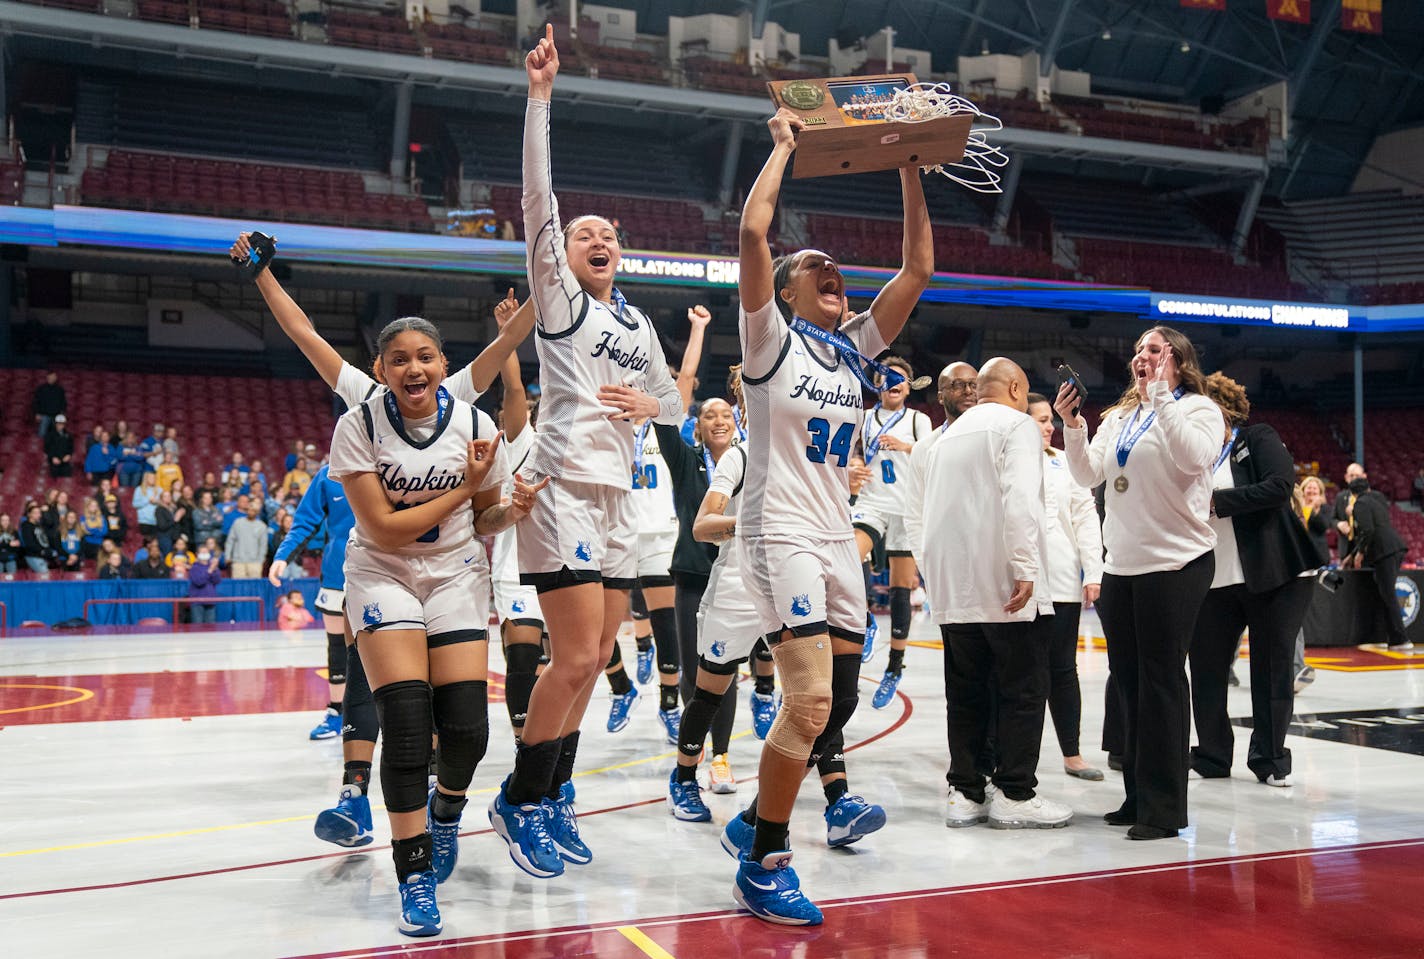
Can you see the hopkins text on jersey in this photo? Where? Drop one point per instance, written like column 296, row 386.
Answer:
column 610, row 344
column 394, row 480
column 810, row 387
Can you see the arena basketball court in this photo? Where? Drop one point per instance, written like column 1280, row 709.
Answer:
column 212, row 212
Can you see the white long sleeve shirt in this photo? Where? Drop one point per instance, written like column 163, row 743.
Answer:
column 985, row 524
column 1159, row 522
column 914, row 514
column 1075, row 537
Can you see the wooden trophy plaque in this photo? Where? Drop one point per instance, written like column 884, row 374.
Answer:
column 847, row 132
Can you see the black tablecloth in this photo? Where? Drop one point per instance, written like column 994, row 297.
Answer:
column 1350, row 616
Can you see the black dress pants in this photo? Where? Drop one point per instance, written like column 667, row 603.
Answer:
column 1012, row 659
column 1149, row 620
column 1065, row 697
column 1386, row 571
column 1274, row 618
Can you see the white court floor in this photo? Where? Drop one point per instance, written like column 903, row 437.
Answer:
column 190, row 834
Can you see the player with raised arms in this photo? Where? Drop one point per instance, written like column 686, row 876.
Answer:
column 804, row 366
column 601, row 367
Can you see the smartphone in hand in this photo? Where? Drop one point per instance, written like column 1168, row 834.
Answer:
column 1066, row 375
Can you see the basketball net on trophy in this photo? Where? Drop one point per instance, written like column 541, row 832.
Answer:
column 979, row 169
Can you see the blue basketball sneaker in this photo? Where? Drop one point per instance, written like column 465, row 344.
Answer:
column 645, row 666
column 348, row 823
column 671, row 720
column 328, row 728
column 737, row 837
column 685, row 800
column 886, row 690
column 851, row 819
column 771, row 890
column 563, row 827
column 764, row 707
column 420, row 916
column 872, row 630
column 444, row 842
column 619, row 707
column 526, row 831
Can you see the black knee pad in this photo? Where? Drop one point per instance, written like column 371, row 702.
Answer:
column 638, row 605
column 664, row 622
column 845, row 696
column 521, row 662
column 358, row 706
column 617, row 658
column 762, row 651
column 899, row 612
column 335, row 657
column 404, row 709
column 832, row 759
column 697, row 720
column 462, row 720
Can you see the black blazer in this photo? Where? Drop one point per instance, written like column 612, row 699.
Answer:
column 1273, row 542
column 1374, row 533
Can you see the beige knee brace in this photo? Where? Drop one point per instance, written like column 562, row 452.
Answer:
column 804, row 665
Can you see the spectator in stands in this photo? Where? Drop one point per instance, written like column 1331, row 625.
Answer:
column 207, row 518
column 279, row 529
column 71, row 542
column 164, row 522
column 1416, row 494
column 295, row 483
column 49, row 402
column 37, row 542
column 1313, row 510
column 313, row 458
column 59, row 447
column 267, row 506
column 182, row 550
column 203, row 580
column 56, row 508
column 149, row 562
column 247, row 544
column 93, row 438
column 169, row 472
column 233, row 512
column 1375, row 545
column 145, row 502
column 256, row 475
column 1342, row 504
column 130, row 464
column 95, row 528
column 236, row 472
column 293, row 613
column 170, row 441
column 100, row 459
column 183, row 507
column 211, row 485
column 291, row 461
column 118, row 523
column 112, row 565
column 211, row 545
column 152, row 447
column 9, row 545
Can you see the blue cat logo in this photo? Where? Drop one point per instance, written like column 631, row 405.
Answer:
column 371, row 614
column 517, row 606
column 582, row 552
column 719, row 648
column 801, row 605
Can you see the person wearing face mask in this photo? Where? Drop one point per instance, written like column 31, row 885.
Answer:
column 1375, row 545
column 1155, row 448
column 806, row 361
column 1343, row 501
column 1075, row 575
column 1264, row 561
column 601, row 366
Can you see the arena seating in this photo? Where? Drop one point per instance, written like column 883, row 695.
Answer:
column 387, row 32
column 724, row 76
column 651, row 224
column 876, row 242
column 1121, row 123
column 12, row 182
column 1186, row 268
column 453, row 41
column 1364, row 239
column 1392, row 293
column 181, row 184
column 1020, row 110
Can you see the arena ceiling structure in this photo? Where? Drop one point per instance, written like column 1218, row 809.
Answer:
column 1345, row 88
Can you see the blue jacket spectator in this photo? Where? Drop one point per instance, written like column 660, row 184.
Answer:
column 145, row 503
column 99, row 462
column 131, row 464
column 152, row 447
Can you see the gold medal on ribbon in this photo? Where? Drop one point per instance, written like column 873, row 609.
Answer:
column 1120, row 484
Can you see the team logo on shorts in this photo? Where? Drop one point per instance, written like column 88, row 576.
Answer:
column 719, row 648
column 371, row 614
column 517, row 606
column 1408, row 596
column 582, row 553
column 801, row 605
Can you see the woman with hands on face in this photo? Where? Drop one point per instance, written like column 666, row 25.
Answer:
column 1155, row 449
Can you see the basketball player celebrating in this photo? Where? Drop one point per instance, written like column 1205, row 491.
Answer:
column 422, row 473
column 597, row 356
column 803, row 371
column 891, row 431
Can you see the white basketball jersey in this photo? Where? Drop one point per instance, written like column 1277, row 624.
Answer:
column 515, row 452
column 653, row 507
column 356, row 387
column 368, row 439
column 729, row 479
column 884, row 492
column 803, row 411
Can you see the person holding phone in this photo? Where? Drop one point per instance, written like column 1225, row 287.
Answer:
column 1155, row 449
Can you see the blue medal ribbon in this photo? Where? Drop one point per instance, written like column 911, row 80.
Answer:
column 708, row 463
column 737, row 418
column 442, row 407
column 856, row 360
column 1125, row 443
column 640, row 435
column 1226, row 450
column 872, row 443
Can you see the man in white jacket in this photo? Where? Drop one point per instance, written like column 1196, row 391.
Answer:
column 985, row 549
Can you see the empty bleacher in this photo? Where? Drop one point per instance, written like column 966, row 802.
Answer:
column 387, row 31
column 1122, row 123
column 1363, row 239
column 456, row 41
